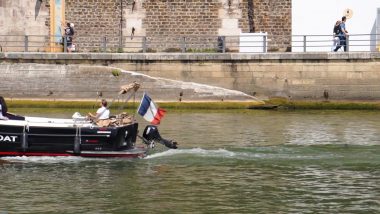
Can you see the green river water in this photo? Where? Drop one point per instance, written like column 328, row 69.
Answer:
column 228, row 162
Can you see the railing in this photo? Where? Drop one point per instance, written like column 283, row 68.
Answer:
column 185, row 44
column 356, row 42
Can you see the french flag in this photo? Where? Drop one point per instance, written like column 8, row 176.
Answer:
column 149, row 110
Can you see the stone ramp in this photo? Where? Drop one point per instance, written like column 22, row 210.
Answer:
column 51, row 81
column 170, row 90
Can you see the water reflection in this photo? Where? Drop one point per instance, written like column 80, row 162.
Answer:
column 333, row 130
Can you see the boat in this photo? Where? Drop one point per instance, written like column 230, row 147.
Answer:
column 77, row 136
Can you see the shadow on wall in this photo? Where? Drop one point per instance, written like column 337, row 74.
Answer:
column 373, row 38
column 37, row 8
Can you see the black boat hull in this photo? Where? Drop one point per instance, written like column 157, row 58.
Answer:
column 16, row 140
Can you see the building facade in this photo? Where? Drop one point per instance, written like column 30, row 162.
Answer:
column 124, row 25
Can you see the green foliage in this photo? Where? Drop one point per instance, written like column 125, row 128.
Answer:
column 116, row 72
column 207, row 105
column 205, row 50
column 95, row 50
column 173, row 50
column 148, row 50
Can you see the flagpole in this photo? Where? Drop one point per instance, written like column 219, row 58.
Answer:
column 134, row 102
column 141, row 102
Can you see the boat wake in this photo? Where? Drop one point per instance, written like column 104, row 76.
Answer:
column 42, row 159
column 241, row 155
column 218, row 153
column 194, row 151
column 255, row 154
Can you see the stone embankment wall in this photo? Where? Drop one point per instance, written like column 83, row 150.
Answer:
column 344, row 76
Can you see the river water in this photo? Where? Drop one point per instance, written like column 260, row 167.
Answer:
column 228, row 162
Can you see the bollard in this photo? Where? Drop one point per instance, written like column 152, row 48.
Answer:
column 65, row 44
column 223, row 44
column 183, row 44
column 26, row 43
column 144, row 44
column 104, row 44
column 264, row 44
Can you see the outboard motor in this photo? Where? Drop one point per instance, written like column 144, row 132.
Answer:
column 151, row 135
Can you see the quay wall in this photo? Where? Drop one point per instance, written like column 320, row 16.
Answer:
column 298, row 76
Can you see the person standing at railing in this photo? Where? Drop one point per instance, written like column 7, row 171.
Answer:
column 342, row 35
column 336, row 33
column 71, row 46
column 69, row 33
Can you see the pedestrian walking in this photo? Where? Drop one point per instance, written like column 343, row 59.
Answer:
column 336, row 32
column 343, row 35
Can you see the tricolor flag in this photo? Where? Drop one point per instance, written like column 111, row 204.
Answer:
column 150, row 111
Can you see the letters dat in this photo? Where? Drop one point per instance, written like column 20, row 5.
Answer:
column 7, row 138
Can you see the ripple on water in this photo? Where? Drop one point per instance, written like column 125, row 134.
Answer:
column 250, row 162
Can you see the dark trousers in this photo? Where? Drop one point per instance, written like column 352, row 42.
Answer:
column 342, row 42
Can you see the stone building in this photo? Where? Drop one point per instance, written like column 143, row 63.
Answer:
column 160, row 25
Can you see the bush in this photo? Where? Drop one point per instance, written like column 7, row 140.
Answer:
column 116, row 72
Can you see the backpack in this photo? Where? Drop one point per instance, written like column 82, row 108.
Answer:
column 337, row 30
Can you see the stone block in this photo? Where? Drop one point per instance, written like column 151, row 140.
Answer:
column 244, row 56
column 228, row 32
column 340, row 67
column 371, row 75
column 363, row 67
column 230, row 23
column 302, row 82
column 134, row 22
column 354, row 75
column 215, row 74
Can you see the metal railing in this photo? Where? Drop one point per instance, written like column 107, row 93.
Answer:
column 355, row 42
column 188, row 44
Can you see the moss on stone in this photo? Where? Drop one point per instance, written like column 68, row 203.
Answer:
column 325, row 105
column 281, row 103
column 131, row 105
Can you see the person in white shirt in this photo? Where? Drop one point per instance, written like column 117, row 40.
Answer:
column 102, row 113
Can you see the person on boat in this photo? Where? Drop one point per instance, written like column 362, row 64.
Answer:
column 2, row 117
column 4, row 114
column 102, row 113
